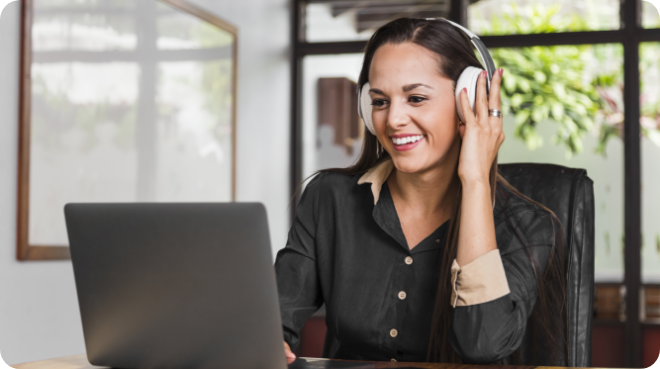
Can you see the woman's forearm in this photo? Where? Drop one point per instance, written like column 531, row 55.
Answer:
column 477, row 232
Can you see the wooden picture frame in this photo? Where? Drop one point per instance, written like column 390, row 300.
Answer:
column 27, row 250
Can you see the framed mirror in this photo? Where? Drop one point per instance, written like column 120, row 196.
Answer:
column 121, row 101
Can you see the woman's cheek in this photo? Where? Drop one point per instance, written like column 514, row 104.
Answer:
column 442, row 138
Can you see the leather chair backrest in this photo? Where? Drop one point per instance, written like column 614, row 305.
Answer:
column 569, row 194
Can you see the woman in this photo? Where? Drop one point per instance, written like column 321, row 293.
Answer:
column 406, row 248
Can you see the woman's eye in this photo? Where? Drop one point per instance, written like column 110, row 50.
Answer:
column 416, row 99
column 378, row 103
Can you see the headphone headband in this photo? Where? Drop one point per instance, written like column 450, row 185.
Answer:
column 479, row 45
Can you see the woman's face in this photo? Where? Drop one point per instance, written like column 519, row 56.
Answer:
column 414, row 109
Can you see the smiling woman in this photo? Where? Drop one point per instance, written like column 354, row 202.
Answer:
column 439, row 258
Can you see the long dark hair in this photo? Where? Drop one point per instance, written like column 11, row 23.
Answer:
column 547, row 324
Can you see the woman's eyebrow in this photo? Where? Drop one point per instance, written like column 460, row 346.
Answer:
column 413, row 86
column 405, row 88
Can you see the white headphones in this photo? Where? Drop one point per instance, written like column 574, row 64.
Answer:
column 468, row 79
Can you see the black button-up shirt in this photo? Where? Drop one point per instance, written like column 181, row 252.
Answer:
column 351, row 254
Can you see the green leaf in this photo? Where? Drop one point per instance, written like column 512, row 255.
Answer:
column 509, row 83
column 534, row 140
column 538, row 100
column 537, row 114
column 516, row 100
column 560, row 90
column 524, row 85
column 521, row 117
column 558, row 111
column 540, row 77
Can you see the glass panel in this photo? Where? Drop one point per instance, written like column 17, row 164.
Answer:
column 351, row 20
column 81, row 146
column 83, row 25
column 650, row 15
column 194, row 133
column 325, row 143
column 179, row 31
column 507, row 17
column 122, row 121
column 649, row 68
column 565, row 107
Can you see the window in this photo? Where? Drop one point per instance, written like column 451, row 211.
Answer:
column 117, row 106
column 507, row 17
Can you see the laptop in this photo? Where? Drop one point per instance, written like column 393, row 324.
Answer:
column 176, row 285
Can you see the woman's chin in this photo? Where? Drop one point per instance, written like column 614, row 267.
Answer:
column 410, row 164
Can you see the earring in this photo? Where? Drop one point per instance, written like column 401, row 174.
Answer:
column 377, row 148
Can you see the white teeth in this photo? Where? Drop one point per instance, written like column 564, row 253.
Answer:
column 406, row 140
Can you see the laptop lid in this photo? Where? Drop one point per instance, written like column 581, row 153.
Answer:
column 176, row 285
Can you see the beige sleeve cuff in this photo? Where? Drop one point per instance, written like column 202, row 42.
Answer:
column 480, row 281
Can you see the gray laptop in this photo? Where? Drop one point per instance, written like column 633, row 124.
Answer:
column 176, row 285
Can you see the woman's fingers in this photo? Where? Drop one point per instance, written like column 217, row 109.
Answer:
column 495, row 101
column 468, row 114
column 287, row 352
column 481, row 105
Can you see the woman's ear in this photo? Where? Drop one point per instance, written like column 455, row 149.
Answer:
column 461, row 128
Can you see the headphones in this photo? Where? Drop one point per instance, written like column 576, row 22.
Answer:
column 467, row 79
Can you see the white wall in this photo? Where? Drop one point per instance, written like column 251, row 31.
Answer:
column 39, row 315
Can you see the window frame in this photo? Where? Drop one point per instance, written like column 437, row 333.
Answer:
column 629, row 35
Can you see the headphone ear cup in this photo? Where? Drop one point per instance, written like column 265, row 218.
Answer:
column 468, row 79
column 364, row 108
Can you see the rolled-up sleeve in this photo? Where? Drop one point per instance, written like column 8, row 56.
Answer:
column 295, row 266
column 482, row 280
column 495, row 294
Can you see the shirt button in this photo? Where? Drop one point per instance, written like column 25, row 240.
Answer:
column 402, row 295
column 438, row 240
column 393, row 360
column 409, row 260
column 394, row 332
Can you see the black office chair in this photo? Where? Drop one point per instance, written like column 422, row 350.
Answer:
column 569, row 194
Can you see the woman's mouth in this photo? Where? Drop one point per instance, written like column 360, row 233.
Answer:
column 407, row 142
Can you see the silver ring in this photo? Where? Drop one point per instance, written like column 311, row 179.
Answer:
column 494, row 113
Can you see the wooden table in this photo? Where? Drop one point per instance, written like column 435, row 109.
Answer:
column 80, row 362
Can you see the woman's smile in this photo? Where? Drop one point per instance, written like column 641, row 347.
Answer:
column 404, row 142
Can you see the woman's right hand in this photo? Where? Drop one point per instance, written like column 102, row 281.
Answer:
column 290, row 356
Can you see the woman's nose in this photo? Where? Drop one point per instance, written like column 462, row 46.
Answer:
column 397, row 116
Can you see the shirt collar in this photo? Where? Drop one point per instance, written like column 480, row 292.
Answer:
column 377, row 175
